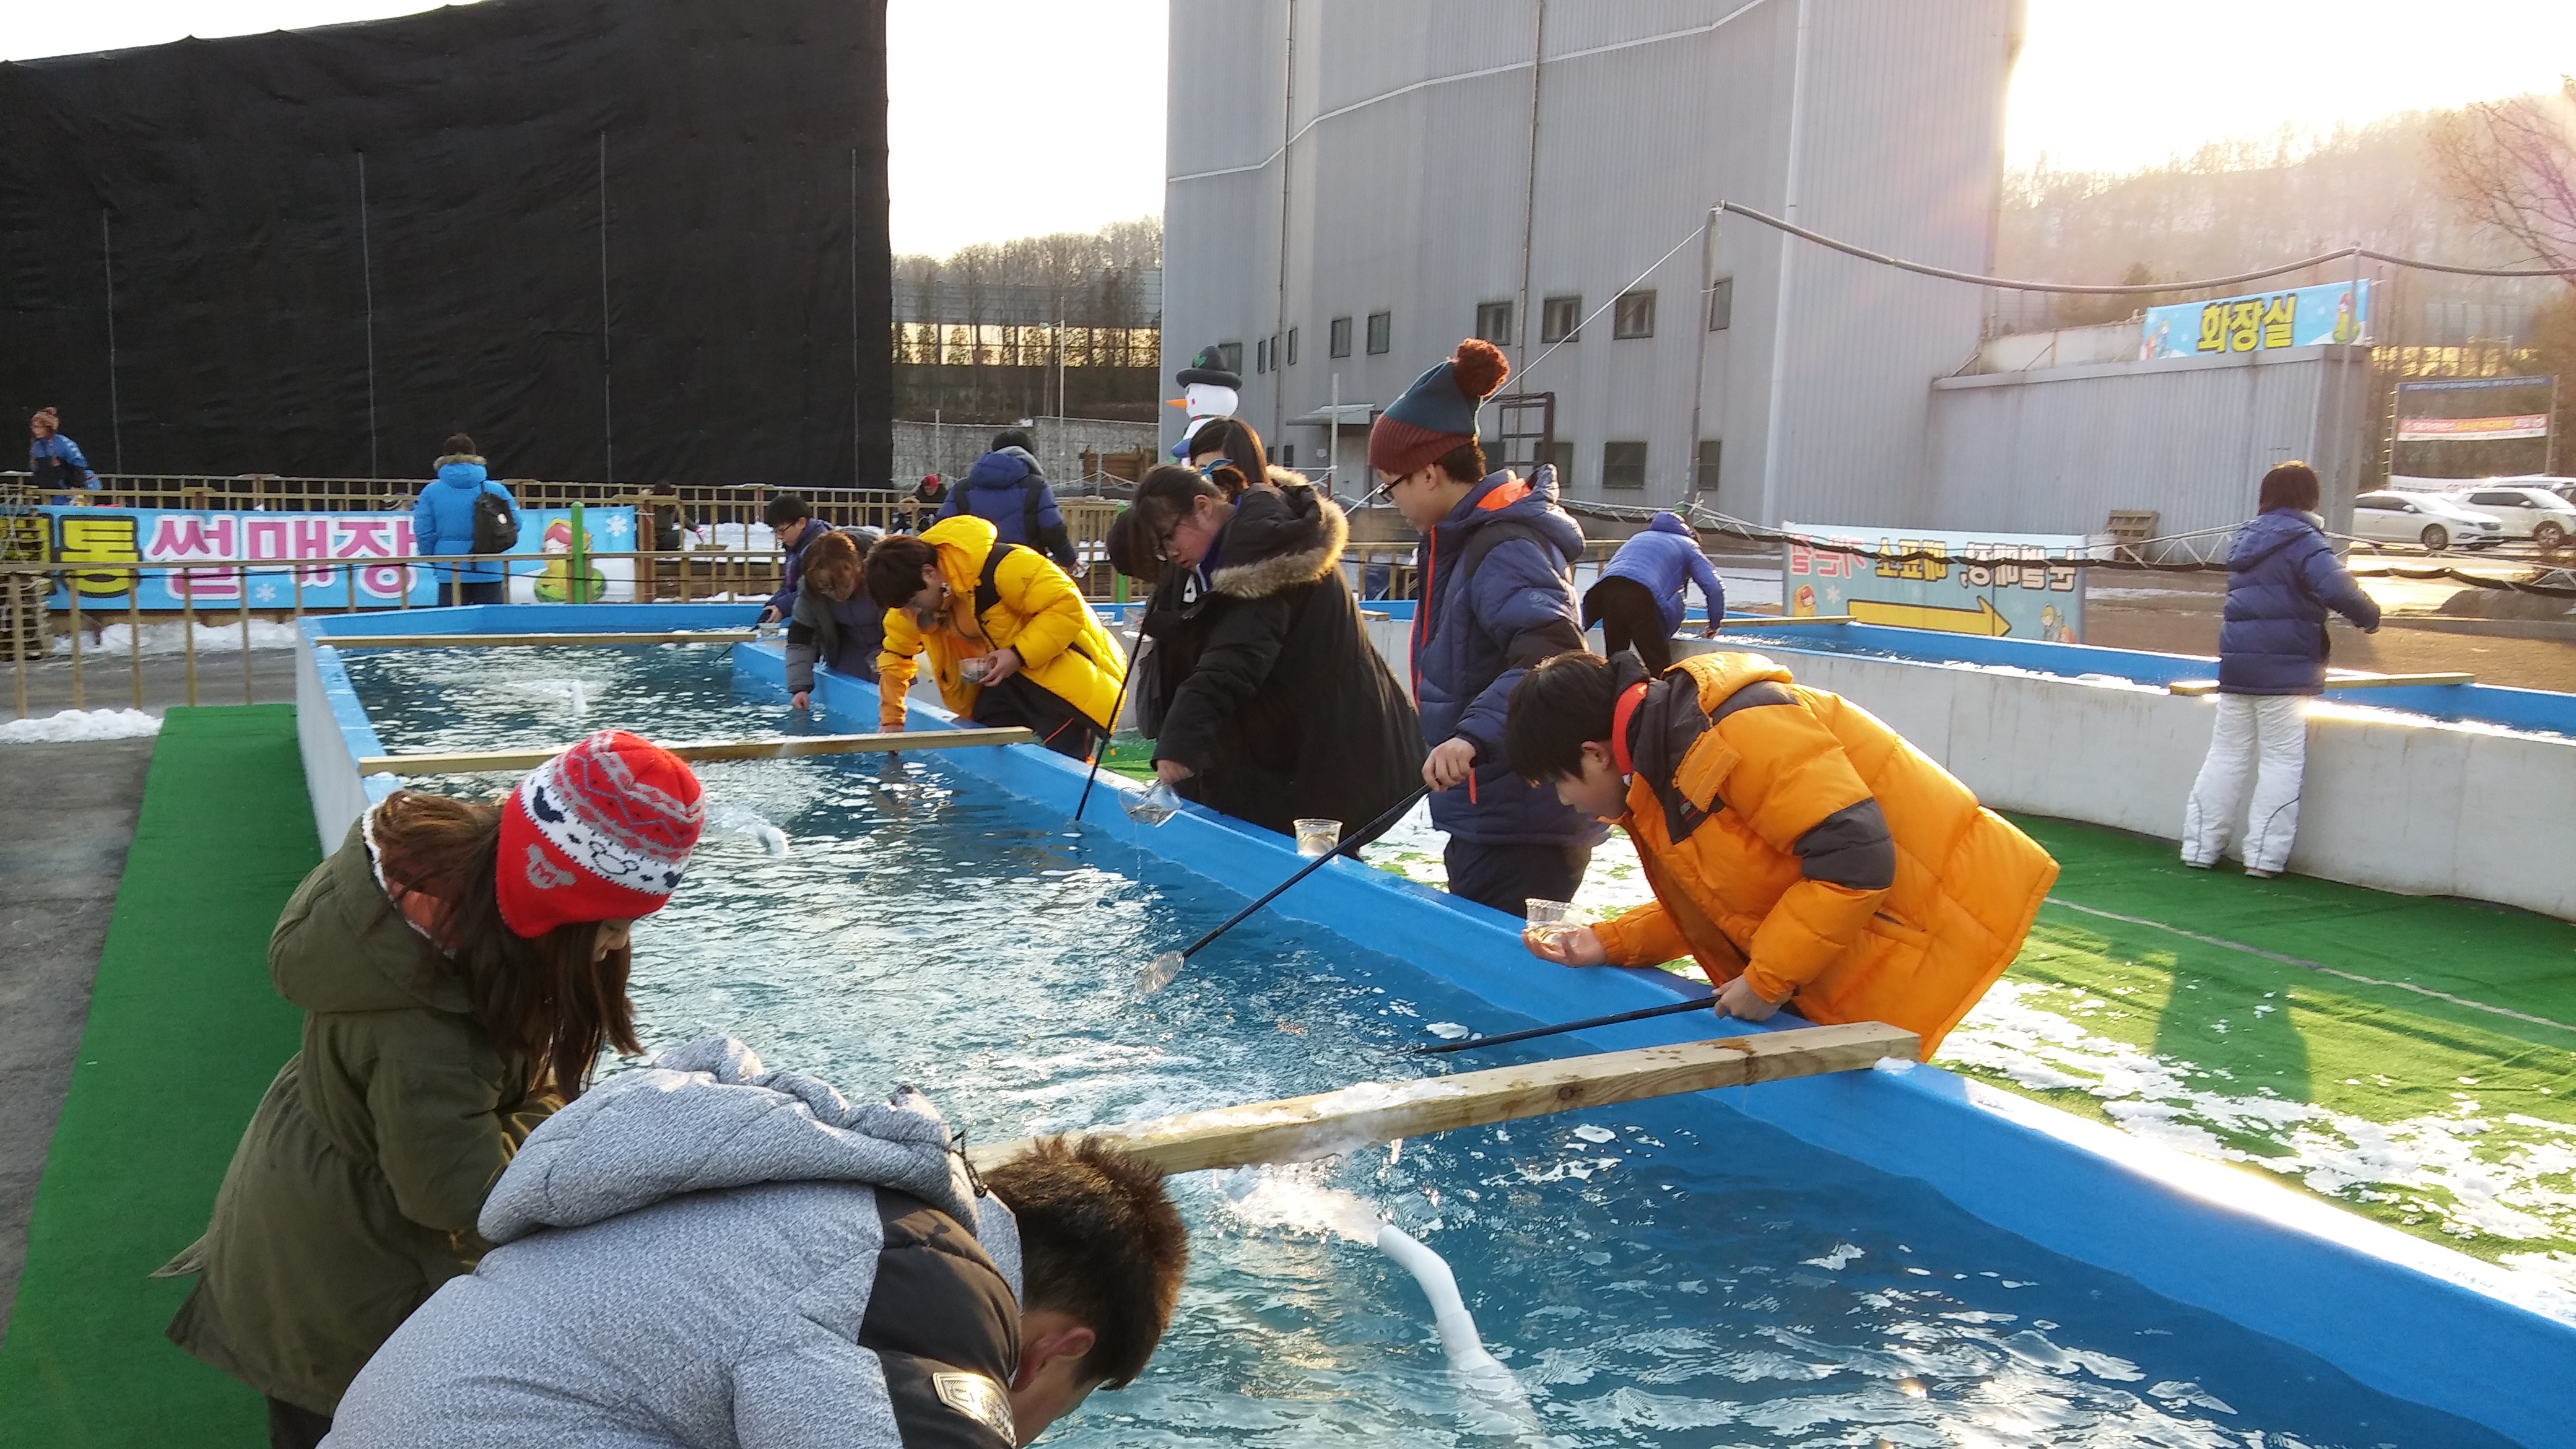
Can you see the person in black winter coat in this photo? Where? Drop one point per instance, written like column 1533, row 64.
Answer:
column 2282, row 577
column 1266, row 700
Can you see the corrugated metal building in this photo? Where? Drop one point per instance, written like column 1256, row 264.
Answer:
column 2055, row 450
column 1355, row 185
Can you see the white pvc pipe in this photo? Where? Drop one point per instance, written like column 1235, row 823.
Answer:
column 1477, row 1369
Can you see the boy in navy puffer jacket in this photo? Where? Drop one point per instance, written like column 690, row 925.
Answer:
column 1496, row 596
column 2282, row 577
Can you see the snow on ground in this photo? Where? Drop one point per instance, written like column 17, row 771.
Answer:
column 117, row 640
column 75, row 726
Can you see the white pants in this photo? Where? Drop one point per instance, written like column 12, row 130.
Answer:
column 2264, row 736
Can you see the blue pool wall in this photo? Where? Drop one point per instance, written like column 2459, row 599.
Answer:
column 2405, row 1317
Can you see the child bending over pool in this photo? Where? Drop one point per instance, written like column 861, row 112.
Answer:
column 1010, row 639
column 710, row 1253
column 1797, row 847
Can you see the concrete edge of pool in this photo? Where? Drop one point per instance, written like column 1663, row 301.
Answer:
column 2403, row 1316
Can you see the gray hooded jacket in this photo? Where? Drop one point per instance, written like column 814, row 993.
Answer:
column 710, row 1254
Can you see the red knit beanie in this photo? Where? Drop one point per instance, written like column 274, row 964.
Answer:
column 600, row 832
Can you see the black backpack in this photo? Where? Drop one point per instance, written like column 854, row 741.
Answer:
column 496, row 528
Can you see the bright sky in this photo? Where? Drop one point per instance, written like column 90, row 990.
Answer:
column 1017, row 117
column 2113, row 85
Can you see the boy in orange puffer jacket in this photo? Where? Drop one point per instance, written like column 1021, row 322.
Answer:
column 1797, row 847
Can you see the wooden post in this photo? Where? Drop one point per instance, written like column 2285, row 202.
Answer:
column 466, row 762
column 1301, row 1129
column 528, row 641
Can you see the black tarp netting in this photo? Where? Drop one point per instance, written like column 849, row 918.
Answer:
column 331, row 248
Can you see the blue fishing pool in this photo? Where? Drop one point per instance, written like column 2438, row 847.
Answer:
column 1667, row 1273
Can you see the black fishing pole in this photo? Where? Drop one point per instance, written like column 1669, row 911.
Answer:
column 1696, row 1003
column 1163, row 968
column 1115, row 706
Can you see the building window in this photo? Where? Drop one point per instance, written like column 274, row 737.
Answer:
column 1634, row 316
column 1560, row 454
column 1559, row 318
column 1704, row 479
column 1494, row 322
column 1623, row 465
column 1231, row 353
column 1340, row 337
column 1292, row 347
column 1381, row 336
column 1287, row 455
column 1261, row 355
column 1721, row 304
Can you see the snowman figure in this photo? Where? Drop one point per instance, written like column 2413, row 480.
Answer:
column 1208, row 391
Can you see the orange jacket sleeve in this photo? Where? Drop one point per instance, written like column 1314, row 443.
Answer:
column 1641, row 936
column 1789, row 775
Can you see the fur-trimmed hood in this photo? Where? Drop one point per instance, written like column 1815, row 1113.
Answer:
column 474, row 458
column 1280, row 538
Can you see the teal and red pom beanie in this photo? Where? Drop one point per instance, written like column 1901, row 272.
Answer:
column 1438, row 412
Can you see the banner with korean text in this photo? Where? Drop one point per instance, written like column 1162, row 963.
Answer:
column 2021, row 585
column 2262, row 322
column 317, row 561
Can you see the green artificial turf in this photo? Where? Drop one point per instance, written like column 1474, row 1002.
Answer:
column 2411, row 1058
column 184, row 1034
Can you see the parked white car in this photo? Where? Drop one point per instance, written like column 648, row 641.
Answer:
column 2526, row 511
column 2423, row 518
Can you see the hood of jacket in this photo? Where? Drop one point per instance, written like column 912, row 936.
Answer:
column 462, row 470
column 341, row 946
column 1530, row 500
column 962, row 541
column 2269, row 532
column 1008, row 468
column 1280, row 538
column 1669, row 522
column 709, row 1115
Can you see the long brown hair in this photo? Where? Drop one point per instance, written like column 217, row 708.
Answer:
column 832, row 565
column 544, row 1002
column 1234, row 440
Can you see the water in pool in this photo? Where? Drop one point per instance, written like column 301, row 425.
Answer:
column 1665, row 1274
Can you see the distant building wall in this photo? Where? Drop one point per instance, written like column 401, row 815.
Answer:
column 1436, row 159
column 2055, row 450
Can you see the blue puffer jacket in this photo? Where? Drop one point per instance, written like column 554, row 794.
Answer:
column 443, row 520
column 2281, row 579
column 997, row 489
column 1472, row 644
column 1665, row 558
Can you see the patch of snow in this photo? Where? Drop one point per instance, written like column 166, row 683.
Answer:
column 76, row 726
column 117, row 640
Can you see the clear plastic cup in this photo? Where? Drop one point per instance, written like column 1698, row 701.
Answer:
column 973, row 670
column 1318, row 837
column 1552, row 921
column 1154, row 806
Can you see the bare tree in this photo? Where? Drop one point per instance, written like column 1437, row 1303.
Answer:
column 2511, row 165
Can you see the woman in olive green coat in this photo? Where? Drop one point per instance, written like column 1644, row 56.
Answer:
column 461, row 968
